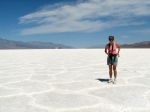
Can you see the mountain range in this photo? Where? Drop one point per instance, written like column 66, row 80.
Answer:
column 144, row 44
column 11, row 44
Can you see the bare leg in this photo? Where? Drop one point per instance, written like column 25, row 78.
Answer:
column 115, row 71
column 110, row 71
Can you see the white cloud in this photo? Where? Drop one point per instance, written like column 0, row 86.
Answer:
column 141, row 31
column 90, row 15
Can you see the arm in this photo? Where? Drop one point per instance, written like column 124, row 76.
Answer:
column 106, row 49
column 118, row 46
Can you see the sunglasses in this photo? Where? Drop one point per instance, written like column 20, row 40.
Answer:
column 110, row 39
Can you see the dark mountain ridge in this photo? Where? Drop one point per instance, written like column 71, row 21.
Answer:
column 11, row 44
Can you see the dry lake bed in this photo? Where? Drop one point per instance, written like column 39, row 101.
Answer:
column 73, row 80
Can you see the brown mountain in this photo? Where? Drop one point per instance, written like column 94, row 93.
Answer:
column 11, row 44
column 144, row 44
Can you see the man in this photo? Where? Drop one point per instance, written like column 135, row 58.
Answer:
column 112, row 49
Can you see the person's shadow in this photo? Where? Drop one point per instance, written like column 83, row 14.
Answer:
column 102, row 80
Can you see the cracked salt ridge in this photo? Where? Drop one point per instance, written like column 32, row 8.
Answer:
column 30, row 86
column 5, row 80
column 20, row 103
column 66, row 100
column 8, row 91
column 130, row 96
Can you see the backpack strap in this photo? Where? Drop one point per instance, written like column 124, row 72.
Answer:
column 112, row 47
column 108, row 45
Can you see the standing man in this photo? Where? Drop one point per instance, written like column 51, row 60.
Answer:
column 112, row 49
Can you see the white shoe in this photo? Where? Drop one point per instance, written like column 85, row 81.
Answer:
column 110, row 80
column 115, row 81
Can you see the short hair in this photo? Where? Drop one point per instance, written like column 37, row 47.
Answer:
column 111, row 38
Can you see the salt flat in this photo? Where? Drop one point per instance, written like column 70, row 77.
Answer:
column 73, row 80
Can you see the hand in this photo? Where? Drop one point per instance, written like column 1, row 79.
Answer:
column 106, row 53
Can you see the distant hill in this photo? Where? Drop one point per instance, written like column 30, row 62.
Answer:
column 144, row 44
column 11, row 44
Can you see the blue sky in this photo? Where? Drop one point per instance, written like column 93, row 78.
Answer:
column 78, row 23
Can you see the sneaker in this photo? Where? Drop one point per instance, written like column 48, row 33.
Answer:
column 110, row 80
column 115, row 81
